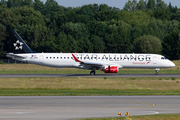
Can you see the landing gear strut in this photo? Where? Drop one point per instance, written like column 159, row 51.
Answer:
column 92, row 73
column 156, row 72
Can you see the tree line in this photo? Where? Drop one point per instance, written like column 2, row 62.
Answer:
column 147, row 26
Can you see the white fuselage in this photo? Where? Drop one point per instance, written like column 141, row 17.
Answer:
column 66, row 60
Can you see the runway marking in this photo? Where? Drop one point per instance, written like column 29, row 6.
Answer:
column 147, row 105
column 23, row 112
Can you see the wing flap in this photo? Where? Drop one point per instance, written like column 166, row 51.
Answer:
column 92, row 64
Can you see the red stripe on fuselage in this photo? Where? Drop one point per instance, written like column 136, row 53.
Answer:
column 76, row 58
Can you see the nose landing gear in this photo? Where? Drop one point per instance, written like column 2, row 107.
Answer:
column 156, row 72
column 92, row 73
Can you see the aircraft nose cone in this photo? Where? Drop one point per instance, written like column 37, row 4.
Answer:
column 172, row 64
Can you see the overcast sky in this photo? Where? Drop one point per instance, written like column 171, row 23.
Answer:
column 113, row 3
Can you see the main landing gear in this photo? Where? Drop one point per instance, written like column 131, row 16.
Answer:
column 92, row 73
column 156, row 72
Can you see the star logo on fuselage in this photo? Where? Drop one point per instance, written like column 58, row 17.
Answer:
column 18, row 45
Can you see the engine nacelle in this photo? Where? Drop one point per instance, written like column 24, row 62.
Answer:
column 111, row 69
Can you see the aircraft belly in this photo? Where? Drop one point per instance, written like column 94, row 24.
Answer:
column 61, row 64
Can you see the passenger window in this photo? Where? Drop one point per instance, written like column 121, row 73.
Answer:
column 64, row 57
column 46, row 57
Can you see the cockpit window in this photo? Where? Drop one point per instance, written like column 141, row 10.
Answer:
column 163, row 58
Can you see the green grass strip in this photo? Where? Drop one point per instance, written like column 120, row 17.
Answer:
column 82, row 92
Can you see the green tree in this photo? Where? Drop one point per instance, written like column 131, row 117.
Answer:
column 106, row 15
column 135, row 18
column 97, row 28
column 88, row 10
column 130, row 5
column 50, row 7
column 151, row 4
column 62, row 43
column 28, row 3
column 38, row 5
column 98, row 44
column 161, row 14
column 73, row 46
column 147, row 44
column 171, row 45
column 141, row 5
column 118, row 38
column 77, row 30
column 3, row 2
column 160, row 5
column 103, row 7
column 2, row 38
column 14, row 3
column 176, row 16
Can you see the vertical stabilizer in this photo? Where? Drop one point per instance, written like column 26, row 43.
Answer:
column 19, row 46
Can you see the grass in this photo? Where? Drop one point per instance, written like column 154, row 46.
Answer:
column 89, row 86
column 145, row 117
column 36, row 69
column 85, row 86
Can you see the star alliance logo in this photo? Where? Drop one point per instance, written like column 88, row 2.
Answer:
column 18, row 45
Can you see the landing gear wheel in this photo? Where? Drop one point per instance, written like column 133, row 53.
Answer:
column 157, row 69
column 92, row 73
column 156, row 73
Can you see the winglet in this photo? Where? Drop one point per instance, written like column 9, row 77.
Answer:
column 76, row 58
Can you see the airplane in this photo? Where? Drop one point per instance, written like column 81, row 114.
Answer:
column 107, row 62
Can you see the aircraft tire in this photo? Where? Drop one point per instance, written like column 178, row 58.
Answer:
column 92, row 73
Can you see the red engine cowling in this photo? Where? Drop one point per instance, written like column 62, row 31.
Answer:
column 111, row 69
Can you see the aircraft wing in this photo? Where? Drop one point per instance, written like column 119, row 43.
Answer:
column 92, row 64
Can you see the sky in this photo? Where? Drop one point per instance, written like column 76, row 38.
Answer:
column 112, row 3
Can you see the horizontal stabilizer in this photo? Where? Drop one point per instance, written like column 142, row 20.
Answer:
column 12, row 55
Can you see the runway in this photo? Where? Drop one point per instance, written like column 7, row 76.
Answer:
column 87, row 75
column 77, row 107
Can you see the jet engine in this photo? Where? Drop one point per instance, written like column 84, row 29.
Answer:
column 111, row 69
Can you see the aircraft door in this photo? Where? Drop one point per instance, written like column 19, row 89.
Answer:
column 154, row 60
column 41, row 58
